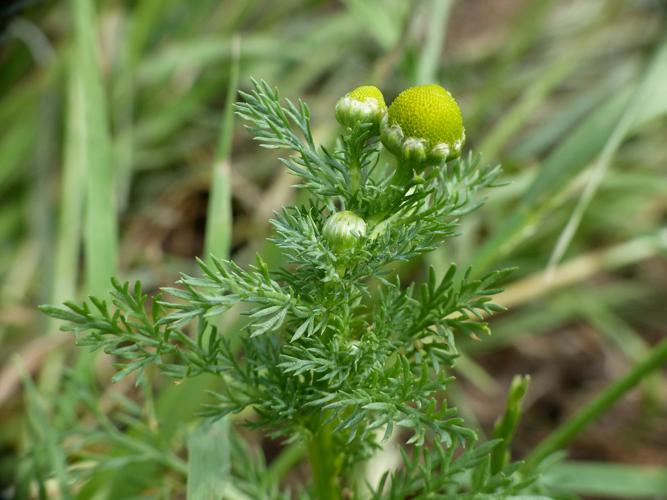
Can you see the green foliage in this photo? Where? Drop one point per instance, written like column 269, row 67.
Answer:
column 507, row 424
column 336, row 349
column 437, row 473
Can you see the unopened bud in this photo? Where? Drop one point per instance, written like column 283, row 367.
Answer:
column 363, row 105
column 343, row 230
column 391, row 136
column 414, row 150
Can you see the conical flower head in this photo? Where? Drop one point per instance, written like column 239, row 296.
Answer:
column 363, row 105
column 425, row 117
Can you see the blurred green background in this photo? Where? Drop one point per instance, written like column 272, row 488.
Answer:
column 114, row 119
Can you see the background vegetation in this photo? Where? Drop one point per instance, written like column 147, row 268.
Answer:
column 116, row 138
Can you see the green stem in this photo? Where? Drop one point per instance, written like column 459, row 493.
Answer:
column 571, row 428
column 355, row 176
column 396, row 190
column 291, row 456
column 354, row 143
column 324, row 465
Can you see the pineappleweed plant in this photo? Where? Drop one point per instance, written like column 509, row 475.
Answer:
column 338, row 353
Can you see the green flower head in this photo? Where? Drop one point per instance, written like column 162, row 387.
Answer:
column 424, row 123
column 363, row 105
column 343, row 230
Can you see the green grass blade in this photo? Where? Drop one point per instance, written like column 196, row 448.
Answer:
column 73, row 188
column 536, row 93
column 649, row 86
column 208, row 460
column 219, row 217
column 558, row 170
column 291, row 455
column 381, row 21
column 545, row 135
column 623, row 337
column 476, row 374
column 526, row 27
column 100, row 223
column 608, row 480
column 604, row 400
column 16, row 144
column 427, row 70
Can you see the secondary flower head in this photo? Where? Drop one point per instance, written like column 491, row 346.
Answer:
column 343, row 230
column 424, row 124
column 362, row 105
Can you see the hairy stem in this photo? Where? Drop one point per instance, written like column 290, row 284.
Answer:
column 572, row 427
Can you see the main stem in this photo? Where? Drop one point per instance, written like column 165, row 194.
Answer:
column 396, row 189
column 324, row 464
column 569, row 430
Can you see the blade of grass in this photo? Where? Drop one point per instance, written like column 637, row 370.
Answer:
column 40, row 221
column 566, row 432
column 512, row 120
column 584, row 266
column 219, row 217
column 382, row 23
column 100, row 222
column 526, row 27
column 208, row 451
column 16, row 144
column 427, row 70
column 568, row 114
column 543, row 317
column 560, row 168
column 283, row 463
column 122, row 114
column 608, row 480
column 72, row 197
column 623, row 337
column 551, row 75
column 476, row 374
column 649, row 86
column 136, row 31
column 208, row 460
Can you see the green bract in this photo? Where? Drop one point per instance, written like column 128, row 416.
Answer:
column 363, row 105
column 424, row 124
column 343, row 230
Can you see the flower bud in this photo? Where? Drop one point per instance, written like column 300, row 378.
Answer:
column 343, row 230
column 414, row 150
column 391, row 136
column 428, row 117
column 363, row 105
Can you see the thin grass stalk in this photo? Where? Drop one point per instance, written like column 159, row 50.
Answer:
column 95, row 153
column 219, row 217
column 72, row 197
column 429, row 60
column 570, row 429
